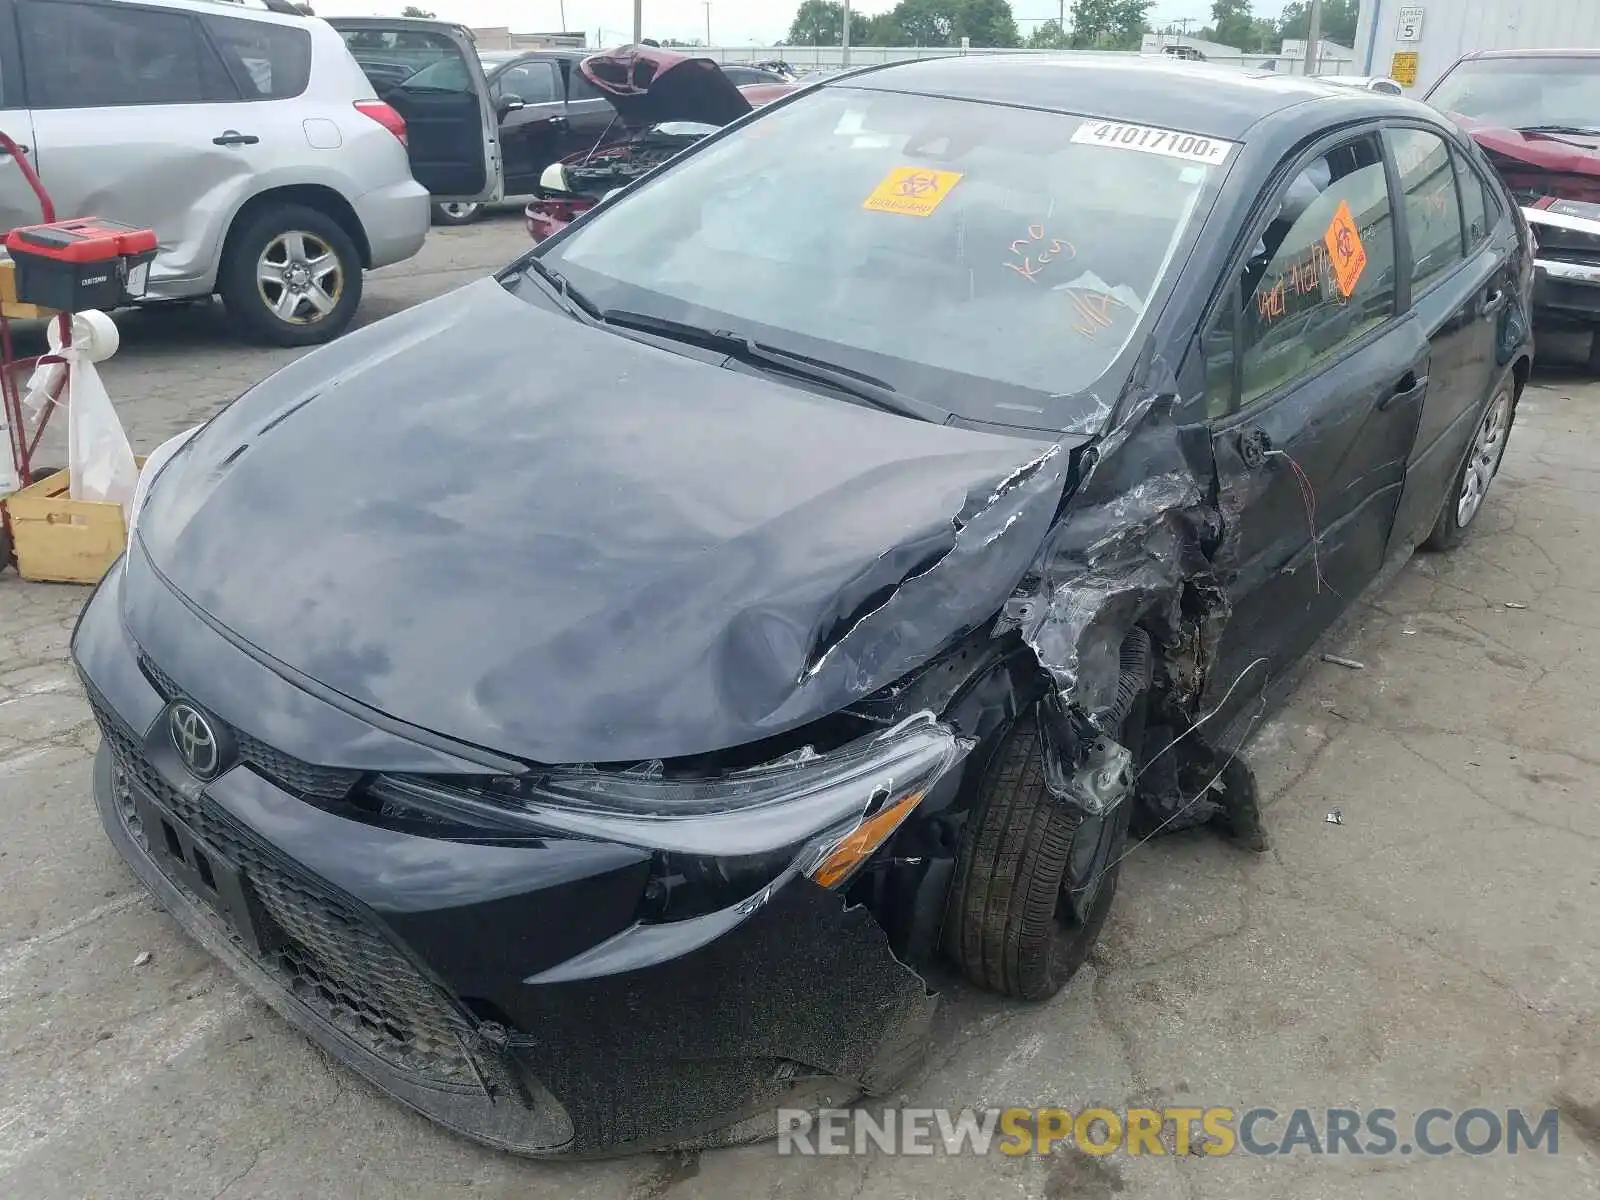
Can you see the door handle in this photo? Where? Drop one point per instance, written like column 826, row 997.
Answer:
column 233, row 137
column 1411, row 386
column 1493, row 301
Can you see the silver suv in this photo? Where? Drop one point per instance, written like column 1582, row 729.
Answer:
column 249, row 139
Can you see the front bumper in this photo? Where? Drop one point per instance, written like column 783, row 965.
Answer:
column 428, row 965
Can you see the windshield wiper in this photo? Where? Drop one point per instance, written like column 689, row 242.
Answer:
column 1580, row 130
column 802, row 366
column 577, row 305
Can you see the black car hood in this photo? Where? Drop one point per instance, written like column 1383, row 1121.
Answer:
column 648, row 86
column 482, row 518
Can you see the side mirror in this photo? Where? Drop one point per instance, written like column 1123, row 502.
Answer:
column 554, row 179
column 508, row 105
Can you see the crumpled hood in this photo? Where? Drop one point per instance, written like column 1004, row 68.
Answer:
column 647, row 86
column 486, row 520
column 1564, row 165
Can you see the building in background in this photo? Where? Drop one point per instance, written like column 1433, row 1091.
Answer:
column 1415, row 43
column 500, row 37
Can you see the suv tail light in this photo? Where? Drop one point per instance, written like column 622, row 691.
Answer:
column 385, row 116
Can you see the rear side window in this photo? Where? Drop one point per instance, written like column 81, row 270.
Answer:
column 1433, row 212
column 1321, row 275
column 419, row 58
column 267, row 62
column 1475, row 218
column 579, row 88
column 102, row 55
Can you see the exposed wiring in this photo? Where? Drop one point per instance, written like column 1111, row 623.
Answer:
column 1308, row 497
column 1203, row 719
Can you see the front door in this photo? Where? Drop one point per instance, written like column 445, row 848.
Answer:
column 531, row 104
column 1461, row 280
column 429, row 73
column 1315, row 383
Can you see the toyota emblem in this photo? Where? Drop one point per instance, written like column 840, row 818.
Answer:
column 194, row 740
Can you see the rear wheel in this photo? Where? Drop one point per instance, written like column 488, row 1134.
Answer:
column 1465, row 499
column 291, row 276
column 456, row 212
column 1034, row 878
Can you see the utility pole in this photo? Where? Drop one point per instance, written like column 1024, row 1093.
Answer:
column 844, row 37
column 638, row 21
column 563, row 16
column 1061, row 21
column 1314, row 38
column 707, row 3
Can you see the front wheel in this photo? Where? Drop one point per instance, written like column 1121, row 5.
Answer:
column 291, row 276
column 1465, row 499
column 456, row 212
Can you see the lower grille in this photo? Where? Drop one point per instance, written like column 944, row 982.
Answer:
column 323, row 950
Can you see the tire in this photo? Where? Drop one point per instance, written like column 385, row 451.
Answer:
column 1012, row 925
column 280, row 308
column 456, row 213
column 1470, row 484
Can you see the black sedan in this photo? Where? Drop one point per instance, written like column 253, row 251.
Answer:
column 592, row 704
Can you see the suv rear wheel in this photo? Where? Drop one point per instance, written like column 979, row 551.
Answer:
column 291, row 276
column 456, row 212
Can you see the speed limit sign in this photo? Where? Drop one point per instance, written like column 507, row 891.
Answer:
column 1408, row 27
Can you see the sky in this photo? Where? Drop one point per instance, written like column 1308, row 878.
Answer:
column 733, row 22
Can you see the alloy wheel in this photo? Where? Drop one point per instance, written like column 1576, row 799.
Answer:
column 300, row 277
column 1488, row 448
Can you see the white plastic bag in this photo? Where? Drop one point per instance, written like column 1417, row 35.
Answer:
column 100, row 461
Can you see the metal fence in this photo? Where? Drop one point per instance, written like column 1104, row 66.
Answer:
column 829, row 58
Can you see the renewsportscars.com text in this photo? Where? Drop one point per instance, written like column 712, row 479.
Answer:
column 1210, row 1131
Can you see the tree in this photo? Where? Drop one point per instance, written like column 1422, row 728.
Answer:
column 986, row 23
column 419, row 14
column 1338, row 21
column 1048, row 35
column 818, row 23
column 1109, row 24
column 1233, row 24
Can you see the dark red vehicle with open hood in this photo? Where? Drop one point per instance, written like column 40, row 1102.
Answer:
column 665, row 102
column 1536, row 114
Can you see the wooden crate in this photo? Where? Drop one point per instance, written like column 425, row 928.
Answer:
column 61, row 540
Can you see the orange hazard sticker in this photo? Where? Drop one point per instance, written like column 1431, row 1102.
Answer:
column 912, row 191
column 1346, row 254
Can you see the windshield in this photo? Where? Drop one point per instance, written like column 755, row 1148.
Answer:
column 1523, row 92
column 993, row 261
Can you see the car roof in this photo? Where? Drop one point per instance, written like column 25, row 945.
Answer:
column 1204, row 98
column 1565, row 52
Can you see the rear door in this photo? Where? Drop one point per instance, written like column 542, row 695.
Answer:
column 134, row 111
column 428, row 72
column 1315, row 379
column 1461, row 279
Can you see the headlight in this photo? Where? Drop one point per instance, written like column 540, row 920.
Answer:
column 152, row 467
column 822, row 815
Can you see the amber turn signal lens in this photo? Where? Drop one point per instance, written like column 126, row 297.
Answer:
column 861, row 841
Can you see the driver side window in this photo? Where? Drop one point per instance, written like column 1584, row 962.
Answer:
column 532, row 83
column 1320, row 275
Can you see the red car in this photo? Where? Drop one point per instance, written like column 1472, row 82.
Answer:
column 1536, row 114
column 665, row 102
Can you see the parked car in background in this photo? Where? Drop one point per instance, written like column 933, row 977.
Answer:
column 1536, row 113
column 664, row 101
column 543, row 108
column 1381, row 84
column 824, row 560
column 248, row 139
column 742, row 75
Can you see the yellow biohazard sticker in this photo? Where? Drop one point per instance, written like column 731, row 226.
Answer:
column 912, row 191
column 1345, row 251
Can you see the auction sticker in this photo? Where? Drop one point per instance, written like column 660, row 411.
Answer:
column 1173, row 143
column 1345, row 251
column 912, row 191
